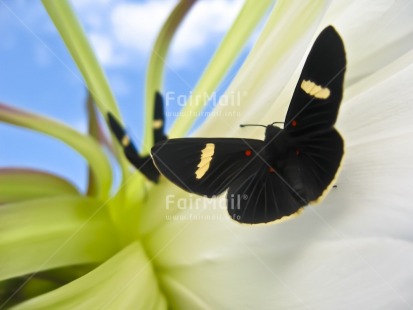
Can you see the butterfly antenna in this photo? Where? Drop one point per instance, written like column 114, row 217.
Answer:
column 250, row 125
column 277, row 123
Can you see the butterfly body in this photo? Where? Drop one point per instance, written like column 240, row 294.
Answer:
column 278, row 145
column 268, row 179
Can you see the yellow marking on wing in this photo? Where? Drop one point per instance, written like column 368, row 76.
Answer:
column 157, row 124
column 206, row 157
column 125, row 140
column 315, row 90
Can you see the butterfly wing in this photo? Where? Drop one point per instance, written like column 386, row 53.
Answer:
column 318, row 147
column 318, row 93
column 159, row 119
column 260, row 196
column 202, row 165
column 316, row 161
column 143, row 163
column 257, row 194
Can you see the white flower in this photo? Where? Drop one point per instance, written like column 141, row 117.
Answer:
column 352, row 251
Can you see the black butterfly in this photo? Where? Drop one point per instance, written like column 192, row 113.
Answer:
column 292, row 167
column 143, row 163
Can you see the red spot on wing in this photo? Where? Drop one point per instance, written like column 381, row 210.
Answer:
column 248, row 153
column 294, row 123
column 271, row 170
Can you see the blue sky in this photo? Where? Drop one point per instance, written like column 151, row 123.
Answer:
column 39, row 75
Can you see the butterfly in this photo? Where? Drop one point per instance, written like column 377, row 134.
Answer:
column 143, row 163
column 268, row 179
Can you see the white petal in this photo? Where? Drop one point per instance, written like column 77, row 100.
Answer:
column 375, row 33
column 374, row 187
column 352, row 251
column 291, row 265
column 380, row 107
column 267, row 69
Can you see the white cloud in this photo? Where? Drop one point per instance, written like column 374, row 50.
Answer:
column 135, row 25
column 105, row 49
column 207, row 20
column 122, row 30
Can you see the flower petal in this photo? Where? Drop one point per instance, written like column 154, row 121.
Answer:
column 53, row 232
column 358, row 242
column 205, row 259
column 267, row 70
column 246, row 22
column 378, row 169
column 24, row 184
column 85, row 145
column 161, row 206
column 379, row 32
column 126, row 281
column 383, row 111
column 292, row 276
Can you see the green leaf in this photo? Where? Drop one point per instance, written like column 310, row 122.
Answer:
column 85, row 145
column 53, row 232
column 75, row 39
column 24, row 184
column 126, row 281
column 95, row 132
column 78, row 45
